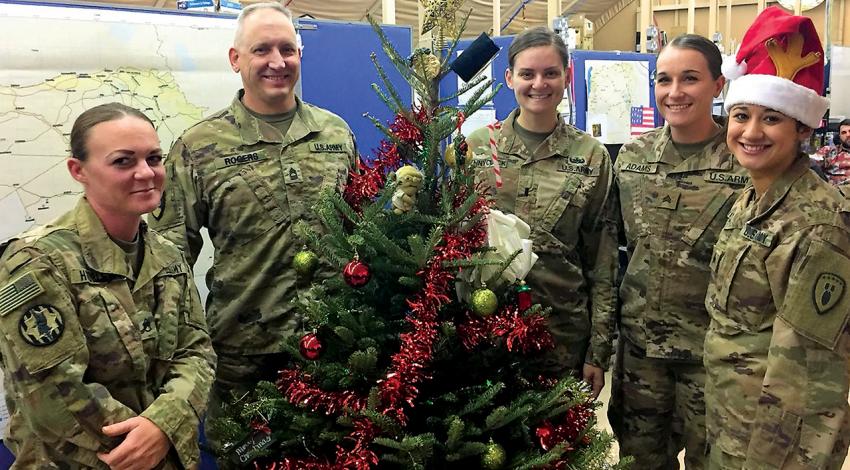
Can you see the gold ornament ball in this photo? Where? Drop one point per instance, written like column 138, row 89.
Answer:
column 494, row 457
column 484, row 302
column 305, row 263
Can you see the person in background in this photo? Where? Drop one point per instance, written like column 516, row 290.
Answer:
column 558, row 180
column 776, row 352
column 248, row 173
column 835, row 159
column 676, row 184
column 106, row 357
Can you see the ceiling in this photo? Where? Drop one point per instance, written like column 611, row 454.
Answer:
column 516, row 14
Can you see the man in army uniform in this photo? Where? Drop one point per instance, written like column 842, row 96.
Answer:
column 676, row 185
column 778, row 348
column 248, row 173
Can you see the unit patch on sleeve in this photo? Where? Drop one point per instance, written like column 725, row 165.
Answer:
column 827, row 292
column 41, row 325
column 23, row 289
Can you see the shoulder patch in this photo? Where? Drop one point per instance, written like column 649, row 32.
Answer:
column 827, row 292
column 816, row 304
column 18, row 292
column 41, row 325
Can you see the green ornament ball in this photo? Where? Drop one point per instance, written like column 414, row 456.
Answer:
column 305, row 263
column 494, row 457
column 484, row 302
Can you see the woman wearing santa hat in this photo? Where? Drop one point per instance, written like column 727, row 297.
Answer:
column 776, row 353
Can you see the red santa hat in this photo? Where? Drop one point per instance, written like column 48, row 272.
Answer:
column 779, row 66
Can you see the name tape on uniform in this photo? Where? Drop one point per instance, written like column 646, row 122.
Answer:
column 640, row 167
column 328, row 148
column 729, row 178
column 581, row 169
column 762, row 237
column 242, row 159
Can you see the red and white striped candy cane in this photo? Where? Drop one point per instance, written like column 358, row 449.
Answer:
column 495, row 153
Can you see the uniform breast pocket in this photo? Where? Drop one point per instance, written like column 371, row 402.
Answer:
column 168, row 303
column 744, row 292
column 634, row 207
column 558, row 201
column 112, row 337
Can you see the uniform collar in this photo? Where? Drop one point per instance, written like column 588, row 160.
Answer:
column 779, row 189
column 557, row 143
column 253, row 130
column 716, row 155
column 101, row 254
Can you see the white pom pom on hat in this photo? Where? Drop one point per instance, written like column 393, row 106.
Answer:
column 732, row 69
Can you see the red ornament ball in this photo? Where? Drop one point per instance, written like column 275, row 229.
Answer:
column 356, row 273
column 310, row 346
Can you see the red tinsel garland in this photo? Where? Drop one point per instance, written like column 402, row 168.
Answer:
column 408, row 366
column 527, row 334
column 365, row 183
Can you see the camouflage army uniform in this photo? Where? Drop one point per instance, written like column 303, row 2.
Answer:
column 562, row 191
column 776, row 353
column 248, row 184
column 86, row 343
column 672, row 210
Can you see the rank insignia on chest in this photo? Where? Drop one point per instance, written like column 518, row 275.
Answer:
column 292, row 173
column 640, row 167
column 241, row 159
column 828, row 291
column 41, row 325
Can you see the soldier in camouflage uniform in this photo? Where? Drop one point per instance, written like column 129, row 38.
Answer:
column 558, row 180
column 676, row 184
column 104, row 346
column 249, row 173
column 776, row 353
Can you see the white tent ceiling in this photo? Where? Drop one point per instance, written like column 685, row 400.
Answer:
column 517, row 14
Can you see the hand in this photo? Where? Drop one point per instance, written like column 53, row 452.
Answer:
column 595, row 377
column 144, row 445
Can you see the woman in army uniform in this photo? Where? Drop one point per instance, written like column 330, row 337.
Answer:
column 776, row 353
column 676, row 185
column 104, row 347
column 558, row 180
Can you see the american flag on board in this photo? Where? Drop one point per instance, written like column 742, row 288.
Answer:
column 643, row 119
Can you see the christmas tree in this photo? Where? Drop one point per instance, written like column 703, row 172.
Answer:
column 420, row 354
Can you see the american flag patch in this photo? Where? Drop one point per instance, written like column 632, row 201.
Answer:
column 21, row 290
column 642, row 120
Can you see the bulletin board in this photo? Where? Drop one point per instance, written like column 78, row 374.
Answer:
column 607, row 87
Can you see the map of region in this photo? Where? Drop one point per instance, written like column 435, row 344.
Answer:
column 172, row 67
column 613, row 88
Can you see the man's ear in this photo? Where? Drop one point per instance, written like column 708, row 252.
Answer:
column 233, row 55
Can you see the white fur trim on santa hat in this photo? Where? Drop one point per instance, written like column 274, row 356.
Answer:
column 732, row 69
column 785, row 96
